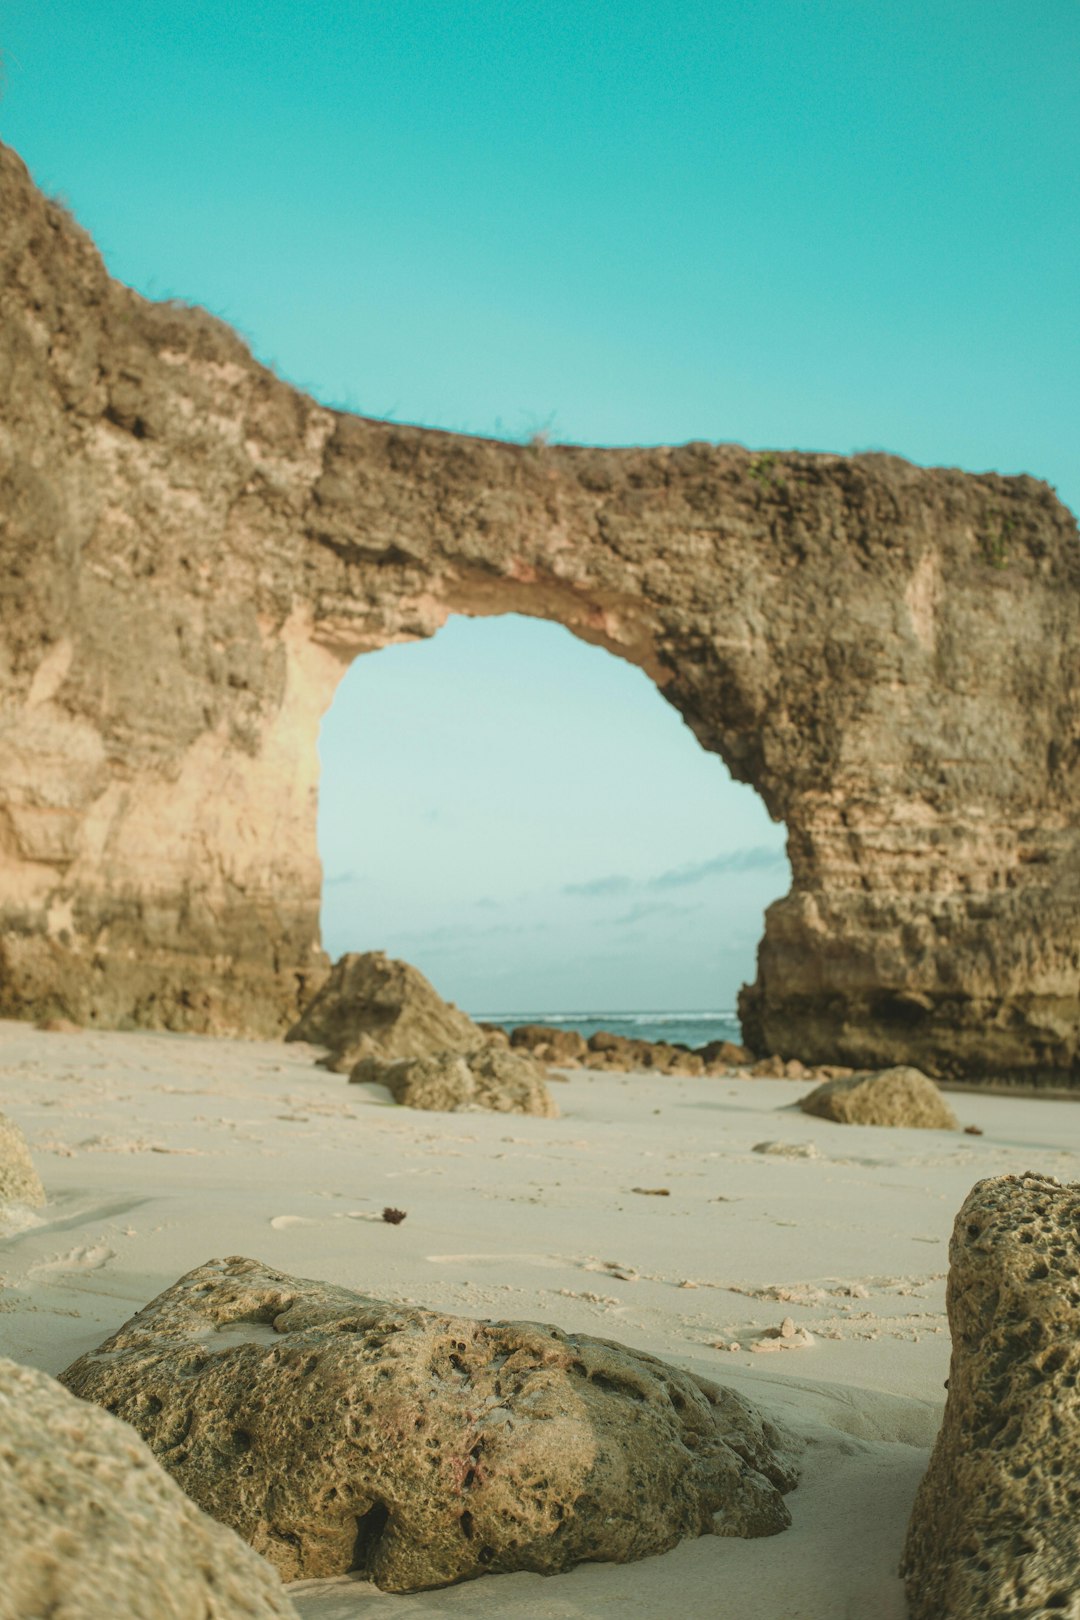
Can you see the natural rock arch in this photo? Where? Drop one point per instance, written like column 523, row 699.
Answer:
column 191, row 553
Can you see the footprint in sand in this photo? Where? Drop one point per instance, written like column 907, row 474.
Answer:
column 84, row 1257
column 283, row 1223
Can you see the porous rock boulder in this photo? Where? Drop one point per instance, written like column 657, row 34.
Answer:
column 550, row 1045
column 995, row 1529
column 19, row 1181
column 336, row 1432
column 901, row 1096
column 373, row 1005
column 94, row 1526
column 489, row 1078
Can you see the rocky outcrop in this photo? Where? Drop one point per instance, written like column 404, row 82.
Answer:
column 192, row 553
column 901, row 1096
column 19, row 1181
column 995, row 1530
column 336, row 1432
column 94, row 1526
column 489, row 1078
column 374, row 1006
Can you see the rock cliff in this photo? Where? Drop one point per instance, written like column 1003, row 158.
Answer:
column 192, row 552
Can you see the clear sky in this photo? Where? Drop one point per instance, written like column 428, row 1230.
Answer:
column 826, row 224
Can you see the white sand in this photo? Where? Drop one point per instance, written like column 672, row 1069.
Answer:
column 159, row 1152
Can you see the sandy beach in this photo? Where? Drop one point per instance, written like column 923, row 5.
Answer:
column 159, row 1152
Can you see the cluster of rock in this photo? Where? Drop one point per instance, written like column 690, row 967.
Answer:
column 565, row 1048
column 336, row 1432
column 382, row 1021
column 499, row 1082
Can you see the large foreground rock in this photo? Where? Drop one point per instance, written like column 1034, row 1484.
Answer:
column 901, row 1097
column 375, row 1006
column 995, row 1530
column 338, row 1432
column 94, row 1528
column 489, row 1078
column 19, row 1181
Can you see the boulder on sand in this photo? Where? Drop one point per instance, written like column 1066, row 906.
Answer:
column 995, row 1530
column 489, row 1078
column 901, row 1096
column 336, row 1432
column 19, row 1181
column 725, row 1054
column 94, row 1526
column 375, row 1006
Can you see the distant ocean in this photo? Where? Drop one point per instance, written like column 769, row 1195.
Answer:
column 681, row 1028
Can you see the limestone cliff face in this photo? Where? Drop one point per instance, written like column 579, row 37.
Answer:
column 192, row 552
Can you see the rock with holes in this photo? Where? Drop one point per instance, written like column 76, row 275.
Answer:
column 490, row 1078
column 19, row 1181
column 336, row 1432
column 375, row 1006
column 94, row 1526
column 901, row 1096
column 995, row 1529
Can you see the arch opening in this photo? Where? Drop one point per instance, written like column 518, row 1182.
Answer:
column 532, row 825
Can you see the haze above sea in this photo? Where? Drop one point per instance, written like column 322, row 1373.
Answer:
column 678, row 1028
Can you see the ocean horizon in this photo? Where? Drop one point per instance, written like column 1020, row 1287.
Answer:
column 685, row 1028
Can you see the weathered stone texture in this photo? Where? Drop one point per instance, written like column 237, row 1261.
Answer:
column 995, row 1530
column 94, row 1527
column 375, row 1006
column 488, row 1078
column 338, row 1432
column 19, row 1181
column 901, row 1097
column 191, row 553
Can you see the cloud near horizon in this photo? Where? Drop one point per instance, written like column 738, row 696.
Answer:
column 753, row 858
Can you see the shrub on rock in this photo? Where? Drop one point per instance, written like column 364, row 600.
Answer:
column 995, row 1529
column 336, row 1432
column 490, row 1078
column 19, row 1181
column 94, row 1526
column 375, row 1006
column 902, row 1096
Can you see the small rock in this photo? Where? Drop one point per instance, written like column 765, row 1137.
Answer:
column 902, row 1097
column 788, row 1150
column 769, row 1068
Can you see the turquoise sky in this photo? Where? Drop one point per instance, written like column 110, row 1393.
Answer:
column 790, row 223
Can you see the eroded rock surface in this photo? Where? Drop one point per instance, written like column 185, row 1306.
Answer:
column 375, row 1006
column 995, row 1530
column 192, row 553
column 336, row 1432
column 488, row 1078
column 901, row 1097
column 94, row 1526
column 19, row 1181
